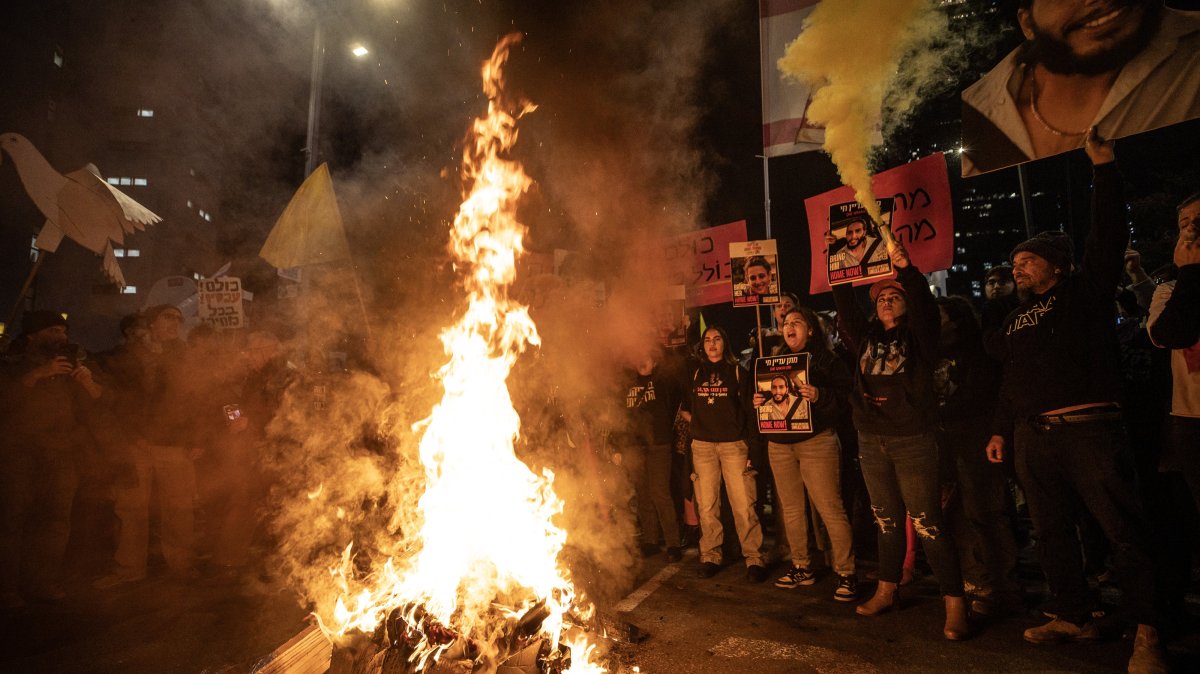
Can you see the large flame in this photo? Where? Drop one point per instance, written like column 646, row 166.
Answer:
column 488, row 545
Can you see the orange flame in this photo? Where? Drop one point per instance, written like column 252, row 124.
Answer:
column 488, row 545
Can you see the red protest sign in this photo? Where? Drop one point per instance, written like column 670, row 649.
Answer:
column 922, row 219
column 700, row 262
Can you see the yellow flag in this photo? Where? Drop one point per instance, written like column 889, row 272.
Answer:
column 310, row 231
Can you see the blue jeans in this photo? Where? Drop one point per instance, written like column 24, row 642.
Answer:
column 901, row 473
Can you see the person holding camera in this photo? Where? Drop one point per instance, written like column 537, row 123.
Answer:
column 45, row 391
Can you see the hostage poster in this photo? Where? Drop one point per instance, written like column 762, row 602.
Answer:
column 754, row 272
column 777, row 381
column 858, row 250
column 670, row 317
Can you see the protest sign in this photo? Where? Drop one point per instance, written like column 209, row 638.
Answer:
column 699, row 261
column 778, row 379
column 922, row 217
column 219, row 302
column 859, row 252
column 754, row 273
column 670, row 317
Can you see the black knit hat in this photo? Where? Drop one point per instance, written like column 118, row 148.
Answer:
column 1054, row 247
column 36, row 321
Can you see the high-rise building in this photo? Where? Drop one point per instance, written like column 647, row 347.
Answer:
column 84, row 83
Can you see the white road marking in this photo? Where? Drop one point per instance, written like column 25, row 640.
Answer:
column 639, row 595
column 824, row 660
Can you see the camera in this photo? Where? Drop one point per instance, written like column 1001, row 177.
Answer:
column 69, row 351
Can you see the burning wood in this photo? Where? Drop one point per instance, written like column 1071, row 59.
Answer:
column 396, row 646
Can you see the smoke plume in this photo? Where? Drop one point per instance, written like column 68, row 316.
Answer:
column 870, row 62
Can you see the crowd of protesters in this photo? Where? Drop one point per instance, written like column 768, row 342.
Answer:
column 138, row 461
column 1043, row 398
column 933, row 422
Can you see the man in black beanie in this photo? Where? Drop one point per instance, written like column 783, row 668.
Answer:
column 1058, row 400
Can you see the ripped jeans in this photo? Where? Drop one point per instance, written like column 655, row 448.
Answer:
column 901, row 473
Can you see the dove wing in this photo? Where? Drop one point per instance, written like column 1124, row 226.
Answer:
column 91, row 215
column 136, row 215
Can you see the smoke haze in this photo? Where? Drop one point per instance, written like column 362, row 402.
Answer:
column 616, row 165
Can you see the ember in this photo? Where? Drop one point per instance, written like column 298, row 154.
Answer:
column 483, row 589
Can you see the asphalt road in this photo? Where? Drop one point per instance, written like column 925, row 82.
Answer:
column 685, row 624
column 727, row 625
column 153, row 627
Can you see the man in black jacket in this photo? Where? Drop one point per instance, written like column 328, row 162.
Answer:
column 1058, row 396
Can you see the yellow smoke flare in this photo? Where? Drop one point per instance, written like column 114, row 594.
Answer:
column 850, row 51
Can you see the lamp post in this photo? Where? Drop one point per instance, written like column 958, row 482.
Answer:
column 316, row 80
column 314, row 100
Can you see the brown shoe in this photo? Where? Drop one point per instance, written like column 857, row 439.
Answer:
column 886, row 598
column 956, row 628
column 1148, row 656
column 1058, row 631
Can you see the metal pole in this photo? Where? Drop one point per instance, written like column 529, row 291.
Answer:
column 762, row 92
column 314, row 101
column 767, row 192
column 1026, row 207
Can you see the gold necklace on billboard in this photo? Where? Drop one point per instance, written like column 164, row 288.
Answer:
column 1033, row 96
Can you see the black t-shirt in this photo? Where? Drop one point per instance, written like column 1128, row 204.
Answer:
column 719, row 396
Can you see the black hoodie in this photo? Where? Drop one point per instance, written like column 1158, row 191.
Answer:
column 893, row 382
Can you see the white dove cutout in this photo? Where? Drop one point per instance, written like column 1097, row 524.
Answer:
column 79, row 205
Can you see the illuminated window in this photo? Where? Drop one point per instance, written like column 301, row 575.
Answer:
column 133, row 252
column 58, row 57
column 114, row 181
column 126, row 181
column 145, row 112
column 139, row 182
column 118, row 252
column 129, row 290
column 208, row 217
column 189, row 203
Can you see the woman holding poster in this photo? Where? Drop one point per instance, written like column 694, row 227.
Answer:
column 895, row 411
column 717, row 405
column 812, row 461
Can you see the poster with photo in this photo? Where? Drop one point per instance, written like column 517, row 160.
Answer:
column 754, row 267
column 859, row 251
column 1123, row 67
column 670, row 317
column 778, row 379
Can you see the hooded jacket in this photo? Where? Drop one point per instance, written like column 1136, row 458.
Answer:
column 893, row 380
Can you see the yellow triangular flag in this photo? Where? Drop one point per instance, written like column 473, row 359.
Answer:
column 310, row 230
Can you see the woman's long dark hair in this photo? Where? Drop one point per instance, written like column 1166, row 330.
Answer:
column 966, row 323
column 817, row 341
column 726, row 355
